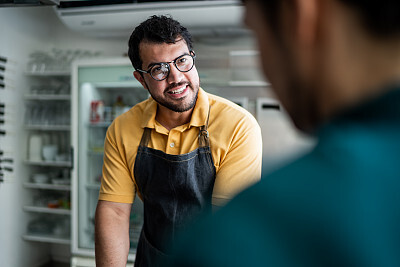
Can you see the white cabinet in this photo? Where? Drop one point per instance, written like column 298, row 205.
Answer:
column 282, row 141
column 47, row 122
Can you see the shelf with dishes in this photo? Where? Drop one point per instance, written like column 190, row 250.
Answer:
column 50, row 178
column 46, row 127
column 49, row 206
column 48, row 113
column 47, row 123
column 48, row 226
column 48, row 73
column 48, row 97
column 48, row 105
column 47, row 239
column 67, row 164
column 55, row 210
column 45, row 85
column 48, row 186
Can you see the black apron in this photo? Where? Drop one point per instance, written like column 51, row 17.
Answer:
column 175, row 190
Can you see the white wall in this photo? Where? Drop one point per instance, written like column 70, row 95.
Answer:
column 21, row 32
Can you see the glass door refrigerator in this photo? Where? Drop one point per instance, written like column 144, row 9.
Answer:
column 101, row 90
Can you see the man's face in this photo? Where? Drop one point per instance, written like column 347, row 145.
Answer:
column 178, row 92
column 280, row 67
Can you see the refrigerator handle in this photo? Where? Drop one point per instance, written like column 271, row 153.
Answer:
column 72, row 157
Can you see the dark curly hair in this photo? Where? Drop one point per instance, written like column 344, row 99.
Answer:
column 156, row 29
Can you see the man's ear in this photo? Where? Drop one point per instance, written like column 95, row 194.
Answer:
column 140, row 78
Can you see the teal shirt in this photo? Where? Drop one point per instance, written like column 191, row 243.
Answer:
column 339, row 205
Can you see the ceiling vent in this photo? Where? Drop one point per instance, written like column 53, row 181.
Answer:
column 118, row 20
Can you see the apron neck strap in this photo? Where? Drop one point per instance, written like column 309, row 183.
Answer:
column 145, row 137
column 204, row 141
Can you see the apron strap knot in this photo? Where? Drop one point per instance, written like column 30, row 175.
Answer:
column 204, row 133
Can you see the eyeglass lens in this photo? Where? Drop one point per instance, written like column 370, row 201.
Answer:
column 184, row 64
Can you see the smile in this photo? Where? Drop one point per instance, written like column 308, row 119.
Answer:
column 178, row 91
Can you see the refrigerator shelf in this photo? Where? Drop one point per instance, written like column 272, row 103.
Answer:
column 48, row 127
column 66, row 73
column 59, row 211
column 48, row 186
column 47, row 239
column 48, row 97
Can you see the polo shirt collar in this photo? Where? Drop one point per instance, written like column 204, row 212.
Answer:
column 149, row 114
column 199, row 115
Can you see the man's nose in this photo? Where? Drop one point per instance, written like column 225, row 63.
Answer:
column 175, row 76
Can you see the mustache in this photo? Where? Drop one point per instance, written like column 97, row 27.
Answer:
column 173, row 85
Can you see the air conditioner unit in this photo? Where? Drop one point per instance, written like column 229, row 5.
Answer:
column 118, row 20
column 20, row 3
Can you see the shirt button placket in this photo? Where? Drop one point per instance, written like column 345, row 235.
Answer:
column 171, row 142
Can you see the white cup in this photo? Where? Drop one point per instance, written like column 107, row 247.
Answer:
column 49, row 152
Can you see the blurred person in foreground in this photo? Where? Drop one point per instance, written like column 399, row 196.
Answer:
column 182, row 151
column 335, row 66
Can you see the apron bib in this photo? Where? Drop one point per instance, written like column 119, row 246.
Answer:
column 176, row 189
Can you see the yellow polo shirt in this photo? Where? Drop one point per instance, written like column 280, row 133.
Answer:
column 235, row 140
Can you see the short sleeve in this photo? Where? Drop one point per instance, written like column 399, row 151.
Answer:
column 241, row 166
column 117, row 184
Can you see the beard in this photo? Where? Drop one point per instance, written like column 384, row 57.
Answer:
column 180, row 107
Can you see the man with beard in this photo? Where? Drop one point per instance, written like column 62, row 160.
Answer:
column 181, row 151
column 335, row 66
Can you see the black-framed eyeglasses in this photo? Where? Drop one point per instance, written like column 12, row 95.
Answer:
column 160, row 71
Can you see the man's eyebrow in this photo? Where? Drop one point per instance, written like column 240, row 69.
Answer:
column 151, row 64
